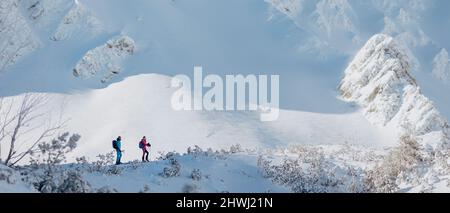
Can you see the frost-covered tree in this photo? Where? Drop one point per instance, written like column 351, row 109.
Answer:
column 105, row 159
column 51, row 154
column 54, row 152
column 401, row 160
column 20, row 116
column 173, row 170
column 441, row 66
column 74, row 183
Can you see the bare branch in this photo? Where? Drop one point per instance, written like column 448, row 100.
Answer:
column 23, row 122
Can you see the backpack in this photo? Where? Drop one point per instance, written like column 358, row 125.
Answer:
column 114, row 144
column 141, row 145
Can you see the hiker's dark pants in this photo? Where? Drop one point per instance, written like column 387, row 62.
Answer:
column 144, row 153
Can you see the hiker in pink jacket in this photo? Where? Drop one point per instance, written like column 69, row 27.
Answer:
column 143, row 145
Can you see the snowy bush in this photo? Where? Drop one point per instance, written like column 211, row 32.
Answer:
column 196, row 174
column 146, row 189
column 6, row 174
column 194, row 151
column 265, row 167
column 134, row 164
column 441, row 158
column 105, row 159
column 113, row 170
column 167, row 156
column 74, row 183
column 66, row 182
column 106, row 189
column 236, row 149
column 50, row 154
column 47, row 175
column 173, row 170
column 401, row 160
column 81, row 160
column 190, row 188
column 232, row 150
column 311, row 172
column 102, row 163
column 46, row 185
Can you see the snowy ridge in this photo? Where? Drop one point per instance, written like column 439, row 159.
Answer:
column 77, row 20
column 441, row 66
column 294, row 169
column 17, row 38
column 106, row 59
column 378, row 79
column 331, row 24
column 43, row 13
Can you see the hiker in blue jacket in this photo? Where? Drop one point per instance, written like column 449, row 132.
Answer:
column 117, row 145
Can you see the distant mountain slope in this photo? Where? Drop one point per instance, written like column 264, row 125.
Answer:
column 140, row 105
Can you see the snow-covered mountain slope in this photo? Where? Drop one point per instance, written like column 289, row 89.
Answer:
column 379, row 80
column 141, row 105
column 17, row 37
column 78, row 20
column 216, row 173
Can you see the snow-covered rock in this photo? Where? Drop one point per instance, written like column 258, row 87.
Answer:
column 379, row 80
column 77, row 20
column 16, row 37
column 105, row 60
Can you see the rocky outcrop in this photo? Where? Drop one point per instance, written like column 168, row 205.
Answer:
column 379, row 80
column 105, row 60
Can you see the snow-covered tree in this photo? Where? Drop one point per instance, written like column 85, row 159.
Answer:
column 54, row 152
column 401, row 160
column 19, row 116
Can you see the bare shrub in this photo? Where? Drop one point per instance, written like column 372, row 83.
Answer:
column 17, row 120
column 402, row 159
